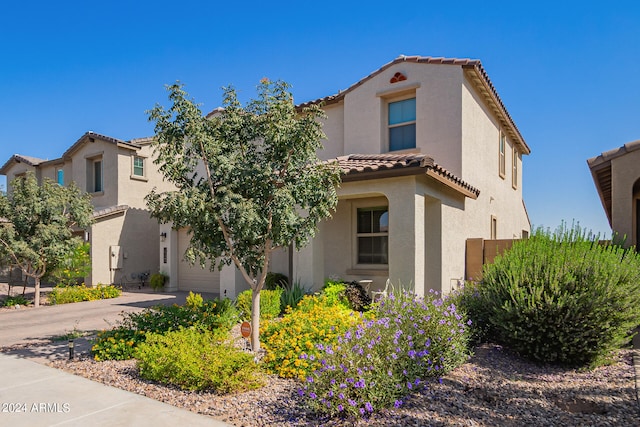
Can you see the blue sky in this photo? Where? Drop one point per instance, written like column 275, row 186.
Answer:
column 567, row 71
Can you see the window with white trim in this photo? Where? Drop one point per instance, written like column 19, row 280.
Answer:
column 138, row 166
column 402, row 124
column 373, row 235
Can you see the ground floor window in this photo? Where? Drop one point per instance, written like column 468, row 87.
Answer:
column 373, row 235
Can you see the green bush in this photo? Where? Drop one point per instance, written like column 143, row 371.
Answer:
column 197, row 359
column 69, row 294
column 333, row 291
column 74, row 268
column 120, row 342
column 269, row 303
column 562, row 297
column 379, row 362
column 275, row 280
column 14, row 300
column 157, row 281
column 194, row 301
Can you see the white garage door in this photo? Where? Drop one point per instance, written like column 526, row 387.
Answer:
column 192, row 277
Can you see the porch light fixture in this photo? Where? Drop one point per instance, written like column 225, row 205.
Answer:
column 163, row 236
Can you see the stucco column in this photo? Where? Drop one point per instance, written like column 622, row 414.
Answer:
column 170, row 245
column 228, row 282
column 308, row 262
column 407, row 237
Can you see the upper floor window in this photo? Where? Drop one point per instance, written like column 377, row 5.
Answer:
column 97, row 176
column 501, row 155
column 138, row 166
column 373, row 235
column 402, row 124
column 60, row 176
column 514, row 175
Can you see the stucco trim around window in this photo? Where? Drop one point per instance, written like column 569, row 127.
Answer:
column 502, row 155
column 514, row 168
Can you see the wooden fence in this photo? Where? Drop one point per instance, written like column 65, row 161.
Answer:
column 480, row 252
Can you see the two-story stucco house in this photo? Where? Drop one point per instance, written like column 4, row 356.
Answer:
column 430, row 157
column 616, row 174
column 118, row 174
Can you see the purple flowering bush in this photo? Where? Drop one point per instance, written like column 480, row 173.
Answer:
column 380, row 361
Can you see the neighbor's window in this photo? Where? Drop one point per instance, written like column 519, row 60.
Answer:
column 60, row 177
column 373, row 235
column 501, row 155
column 402, row 124
column 97, row 176
column 514, row 177
column 138, row 166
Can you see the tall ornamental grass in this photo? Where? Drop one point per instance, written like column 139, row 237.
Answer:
column 560, row 297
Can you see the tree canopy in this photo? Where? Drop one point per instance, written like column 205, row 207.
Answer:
column 248, row 178
column 37, row 224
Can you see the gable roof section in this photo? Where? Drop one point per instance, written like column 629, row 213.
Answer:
column 600, row 167
column 356, row 167
column 92, row 136
column 18, row 158
column 473, row 69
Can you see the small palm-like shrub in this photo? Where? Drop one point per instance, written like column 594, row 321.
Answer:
column 269, row 303
column 292, row 295
column 275, row 280
column 14, row 300
column 378, row 362
column 312, row 322
column 197, row 359
column 561, row 297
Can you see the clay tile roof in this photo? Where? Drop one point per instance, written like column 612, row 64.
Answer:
column 19, row 158
column 354, row 166
column 112, row 210
column 88, row 135
column 600, row 167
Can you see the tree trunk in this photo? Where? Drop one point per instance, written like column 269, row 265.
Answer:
column 255, row 320
column 36, row 301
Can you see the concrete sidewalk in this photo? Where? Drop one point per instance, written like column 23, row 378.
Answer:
column 33, row 395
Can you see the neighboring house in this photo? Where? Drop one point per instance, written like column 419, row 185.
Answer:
column 118, row 174
column 429, row 156
column 616, row 174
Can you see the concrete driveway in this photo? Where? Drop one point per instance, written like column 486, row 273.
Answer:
column 30, row 325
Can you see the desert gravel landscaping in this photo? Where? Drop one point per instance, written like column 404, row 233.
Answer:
column 495, row 388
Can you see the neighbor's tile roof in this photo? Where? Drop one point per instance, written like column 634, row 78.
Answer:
column 474, row 70
column 358, row 166
column 600, row 167
column 112, row 210
column 19, row 158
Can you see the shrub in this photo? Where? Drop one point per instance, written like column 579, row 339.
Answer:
column 269, row 303
column 69, row 294
column 312, row 322
column 357, row 297
column 131, row 331
column 275, row 280
column 194, row 301
column 157, row 281
column 333, row 292
column 377, row 363
column 15, row 300
column 73, row 268
column 197, row 359
column 563, row 297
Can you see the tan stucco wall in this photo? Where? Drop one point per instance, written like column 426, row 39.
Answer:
column 138, row 237
column 625, row 171
column 480, row 167
column 438, row 111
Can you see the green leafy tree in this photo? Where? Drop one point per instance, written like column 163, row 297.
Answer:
column 37, row 224
column 249, row 180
